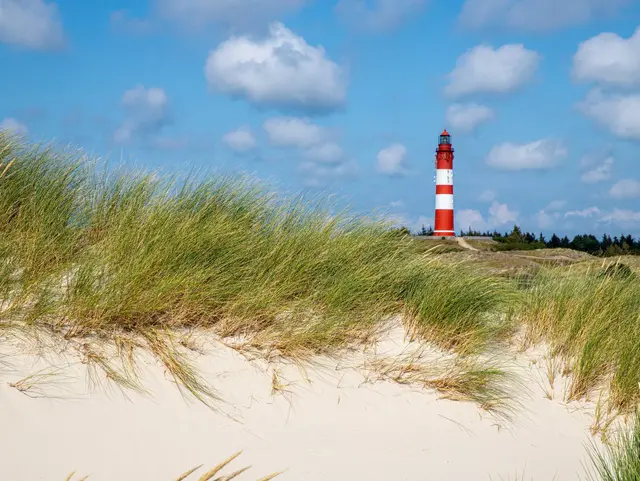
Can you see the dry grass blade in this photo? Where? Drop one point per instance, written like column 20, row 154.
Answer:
column 269, row 477
column 70, row 477
column 185, row 475
column 163, row 347
column 235, row 474
column 210, row 474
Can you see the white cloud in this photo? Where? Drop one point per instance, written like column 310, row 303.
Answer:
column 327, row 152
column 487, row 196
column 485, row 69
column 600, row 173
column 13, row 126
column 535, row 15
column 622, row 217
column 625, row 189
column 240, row 140
column 314, row 143
column 470, row 219
column 593, row 159
column 320, row 175
column 281, row 71
column 541, row 154
column 466, row 117
column 414, row 224
column 609, row 58
column 293, row 132
column 391, row 160
column 239, row 14
column 378, row 15
column 396, row 203
column 546, row 219
column 147, row 112
column 499, row 215
column 619, row 113
column 31, row 24
column 584, row 213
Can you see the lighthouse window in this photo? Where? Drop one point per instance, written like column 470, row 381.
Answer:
column 445, row 139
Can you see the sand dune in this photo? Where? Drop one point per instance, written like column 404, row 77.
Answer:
column 331, row 423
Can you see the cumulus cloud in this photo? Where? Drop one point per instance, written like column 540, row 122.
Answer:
column 535, row 15
column 498, row 215
column 547, row 217
column 293, row 132
column 618, row 113
column 622, row 217
column 609, row 59
column 625, row 189
column 541, row 154
column 584, row 213
column 13, row 126
column 314, row 142
column 378, row 15
column 485, row 69
column 466, row 117
column 327, row 152
column 601, row 173
column 240, row 140
column 31, row 24
column 320, row 175
column 391, row 160
column 147, row 111
column 281, row 71
column 236, row 14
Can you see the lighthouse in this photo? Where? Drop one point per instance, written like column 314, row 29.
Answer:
column 444, row 187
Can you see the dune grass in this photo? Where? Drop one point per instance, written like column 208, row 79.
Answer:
column 591, row 319
column 208, row 475
column 91, row 253
column 620, row 459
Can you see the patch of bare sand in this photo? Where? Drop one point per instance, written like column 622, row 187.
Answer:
column 335, row 420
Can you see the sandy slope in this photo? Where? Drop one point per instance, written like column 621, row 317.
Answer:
column 332, row 426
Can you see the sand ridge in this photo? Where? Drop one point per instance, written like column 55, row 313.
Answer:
column 333, row 420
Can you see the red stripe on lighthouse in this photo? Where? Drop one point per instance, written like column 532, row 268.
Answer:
column 444, row 189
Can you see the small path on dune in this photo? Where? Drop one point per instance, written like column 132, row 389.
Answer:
column 465, row 244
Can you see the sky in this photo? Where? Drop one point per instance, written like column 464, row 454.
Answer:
column 346, row 98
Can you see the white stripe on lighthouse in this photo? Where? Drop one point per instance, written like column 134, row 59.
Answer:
column 444, row 177
column 444, row 201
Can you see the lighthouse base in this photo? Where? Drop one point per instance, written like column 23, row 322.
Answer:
column 444, row 233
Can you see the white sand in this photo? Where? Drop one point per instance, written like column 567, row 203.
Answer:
column 334, row 428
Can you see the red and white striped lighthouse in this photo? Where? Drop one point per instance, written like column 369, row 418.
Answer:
column 444, row 187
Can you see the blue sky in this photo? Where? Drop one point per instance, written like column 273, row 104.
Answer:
column 348, row 97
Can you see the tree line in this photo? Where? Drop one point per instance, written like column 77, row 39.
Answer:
column 517, row 240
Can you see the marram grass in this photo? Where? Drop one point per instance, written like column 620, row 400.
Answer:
column 620, row 459
column 206, row 476
column 592, row 321
column 112, row 255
